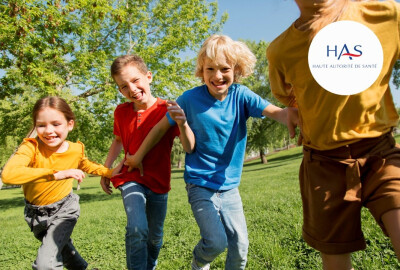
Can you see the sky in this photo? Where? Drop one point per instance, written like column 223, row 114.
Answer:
column 264, row 20
column 257, row 19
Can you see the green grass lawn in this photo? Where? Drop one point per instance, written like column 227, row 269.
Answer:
column 272, row 205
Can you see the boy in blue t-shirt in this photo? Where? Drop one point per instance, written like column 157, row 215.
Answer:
column 217, row 113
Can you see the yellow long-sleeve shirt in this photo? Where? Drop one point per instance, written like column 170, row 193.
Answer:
column 33, row 167
column 329, row 120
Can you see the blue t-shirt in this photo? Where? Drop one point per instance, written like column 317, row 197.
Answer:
column 220, row 131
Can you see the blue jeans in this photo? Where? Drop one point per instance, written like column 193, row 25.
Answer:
column 145, row 211
column 220, row 217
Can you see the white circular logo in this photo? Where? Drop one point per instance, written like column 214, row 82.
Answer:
column 345, row 57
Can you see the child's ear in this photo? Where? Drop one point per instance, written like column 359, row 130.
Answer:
column 70, row 125
column 149, row 76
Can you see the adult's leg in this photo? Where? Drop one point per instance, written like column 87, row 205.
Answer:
column 336, row 262
column 236, row 229
column 206, row 209
column 391, row 220
column 134, row 199
column 156, row 209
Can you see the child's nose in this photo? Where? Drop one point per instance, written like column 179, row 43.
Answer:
column 218, row 74
column 132, row 88
column 48, row 129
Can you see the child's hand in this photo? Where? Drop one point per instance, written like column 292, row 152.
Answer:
column 133, row 162
column 105, row 185
column 71, row 173
column 293, row 121
column 176, row 112
column 118, row 168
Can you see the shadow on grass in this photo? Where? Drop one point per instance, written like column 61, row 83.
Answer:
column 100, row 196
column 6, row 204
column 176, row 170
column 286, row 157
column 272, row 162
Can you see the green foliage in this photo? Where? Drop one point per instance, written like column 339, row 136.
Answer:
column 177, row 154
column 272, row 205
column 262, row 133
column 396, row 75
column 65, row 48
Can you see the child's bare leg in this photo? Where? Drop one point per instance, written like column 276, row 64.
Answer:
column 336, row 262
column 391, row 220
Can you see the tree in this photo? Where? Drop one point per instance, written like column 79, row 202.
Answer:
column 262, row 132
column 396, row 75
column 177, row 154
column 65, row 48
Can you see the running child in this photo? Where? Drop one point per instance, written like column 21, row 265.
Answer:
column 144, row 196
column 46, row 166
column 216, row 112
column 350, row 156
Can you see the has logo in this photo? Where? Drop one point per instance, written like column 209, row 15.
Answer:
column 344, row 51
column 344, row 63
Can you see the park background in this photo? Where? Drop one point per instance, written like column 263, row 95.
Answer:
column 66, row 47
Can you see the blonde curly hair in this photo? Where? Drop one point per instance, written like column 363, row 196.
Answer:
column 236, row 53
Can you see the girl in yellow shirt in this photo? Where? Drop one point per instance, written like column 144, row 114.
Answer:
column 46, row 166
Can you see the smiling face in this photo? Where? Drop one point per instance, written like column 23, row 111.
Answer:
column 218, row 75
column 135, row 86
column 52, row 128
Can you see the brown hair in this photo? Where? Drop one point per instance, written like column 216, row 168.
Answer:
column 55, row 103
column 236, row 53
column 124, row 60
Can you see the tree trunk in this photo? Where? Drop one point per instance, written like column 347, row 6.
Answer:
column 179, row 164
column 263, row 157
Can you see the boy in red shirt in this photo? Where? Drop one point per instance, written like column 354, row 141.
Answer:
column 144, row 196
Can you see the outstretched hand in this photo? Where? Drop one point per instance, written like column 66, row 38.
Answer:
column 176, row 112
column 133, row 162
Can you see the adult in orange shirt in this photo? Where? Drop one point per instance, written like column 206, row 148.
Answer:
column 350, row 158
column 46, row 167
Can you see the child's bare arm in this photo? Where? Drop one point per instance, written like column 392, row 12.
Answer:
column 186, row 134
column 154, row 136
column 286, row 116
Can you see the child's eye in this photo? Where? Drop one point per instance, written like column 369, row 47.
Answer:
column 39, row 126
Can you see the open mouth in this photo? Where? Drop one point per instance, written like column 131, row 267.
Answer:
column 137, row 95
column 219, row 84
column 51, row 139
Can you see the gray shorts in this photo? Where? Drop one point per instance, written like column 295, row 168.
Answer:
column 53, row 225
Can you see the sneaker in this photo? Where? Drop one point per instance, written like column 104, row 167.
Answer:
column 196, row 267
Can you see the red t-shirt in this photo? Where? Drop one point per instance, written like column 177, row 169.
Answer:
column 133, row 128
